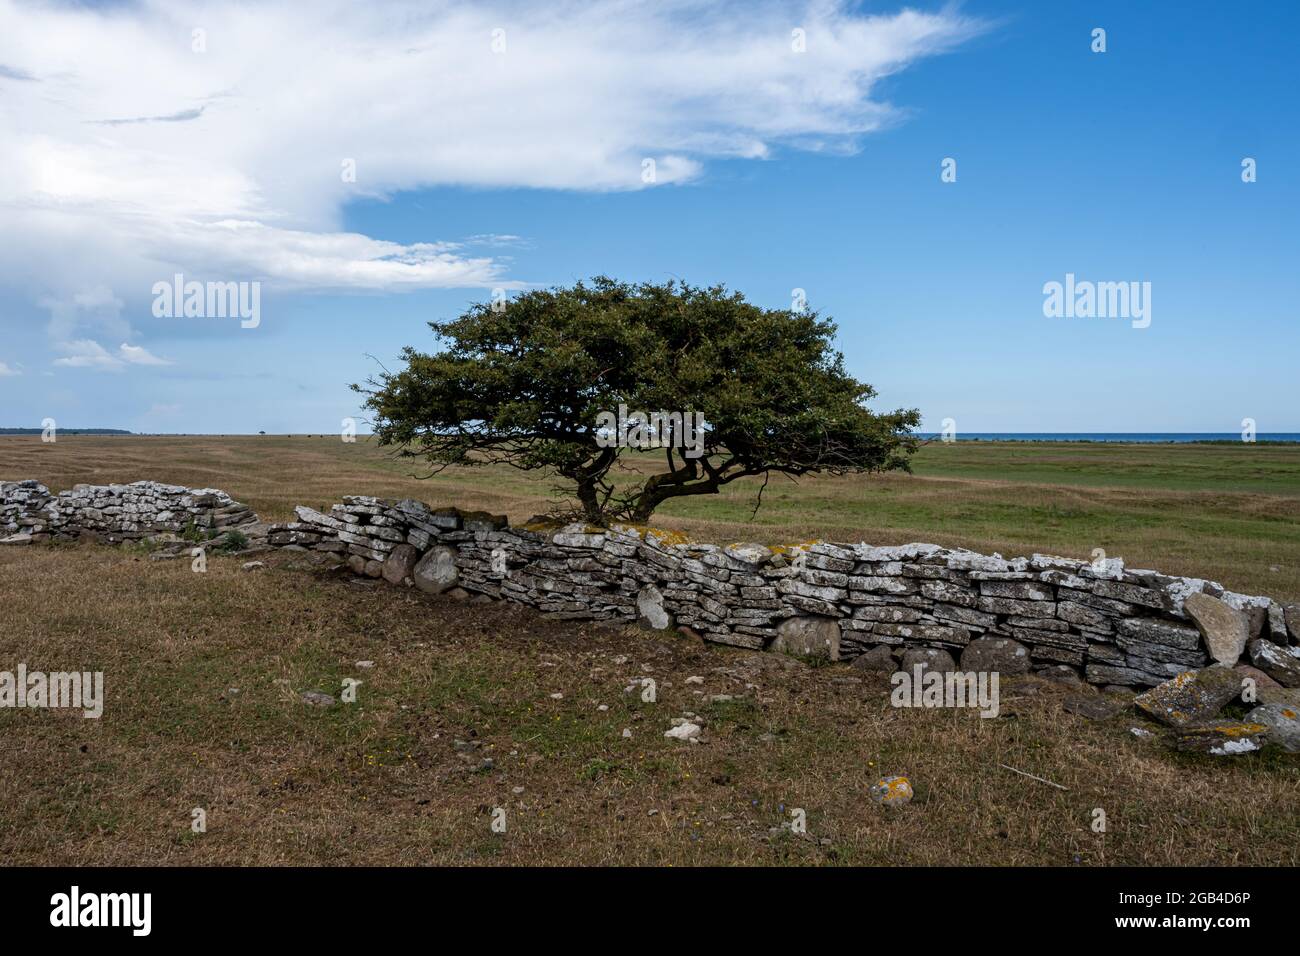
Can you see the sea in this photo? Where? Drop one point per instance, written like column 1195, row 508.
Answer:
column 1126, row 437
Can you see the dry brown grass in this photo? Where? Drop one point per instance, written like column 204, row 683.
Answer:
column 381, row 782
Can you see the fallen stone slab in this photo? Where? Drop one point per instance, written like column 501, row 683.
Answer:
column 1222, row 738
column 1192, row 697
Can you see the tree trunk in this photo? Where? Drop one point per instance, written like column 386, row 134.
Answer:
column 590, row 502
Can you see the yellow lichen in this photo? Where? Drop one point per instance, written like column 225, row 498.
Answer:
column 668, row 538
column 801, row 547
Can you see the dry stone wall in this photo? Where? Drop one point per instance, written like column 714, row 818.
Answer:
column 890, row 605
column 30, row 513
column 1110, row 624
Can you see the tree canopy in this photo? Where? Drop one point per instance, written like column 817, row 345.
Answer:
column 533, row 382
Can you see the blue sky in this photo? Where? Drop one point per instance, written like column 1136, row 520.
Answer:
column 1115, row 166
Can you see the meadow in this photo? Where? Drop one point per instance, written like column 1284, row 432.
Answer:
column 1230, row 513
column 467, row 709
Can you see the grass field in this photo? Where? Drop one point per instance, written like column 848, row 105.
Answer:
column 1230, row 513
column 456, row 716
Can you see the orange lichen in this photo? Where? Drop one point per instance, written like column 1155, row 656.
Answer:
column 801, row 547
column 666, row 537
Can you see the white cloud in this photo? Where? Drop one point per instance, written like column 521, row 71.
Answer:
column 87, row 353
column 139, row 355
column 6, row 371
column 130, row 156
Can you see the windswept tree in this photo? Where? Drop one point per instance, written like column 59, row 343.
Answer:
column 533, row 383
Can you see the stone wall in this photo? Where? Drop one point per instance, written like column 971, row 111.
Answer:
column 1107, row 623
column 30, row 513
column 1110, row 624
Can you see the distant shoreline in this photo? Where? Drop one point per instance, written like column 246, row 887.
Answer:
column 1128, row 438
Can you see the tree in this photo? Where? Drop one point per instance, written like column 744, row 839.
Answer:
column 533, row 383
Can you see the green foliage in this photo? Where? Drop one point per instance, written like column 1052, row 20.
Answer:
column 232, row 541
column 525, row 385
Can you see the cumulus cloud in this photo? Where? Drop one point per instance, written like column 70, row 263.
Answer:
column 87, row 353
column 218, row 138
column 6, row 371
column 139, row 355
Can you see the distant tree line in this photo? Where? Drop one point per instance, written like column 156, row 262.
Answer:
column 66, row 431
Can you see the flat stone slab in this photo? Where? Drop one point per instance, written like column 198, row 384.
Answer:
column 1224, row 629
column 1192, row 697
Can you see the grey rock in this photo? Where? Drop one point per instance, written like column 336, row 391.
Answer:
column 1019, row 590
column 879, row 658
column 999, row 605
column 1154, row 631
column 1000, row 654
column 1283, row 722
column 1192, row 697
column 1225, row 629
column 1060, row 673
column 1275, row 661
column 1261, row 680
column 928, row 659
column 749, row 553
column 436, row 571
column 1291, row 615
column 650, row 608
column 1222, row 738
column 809, row 637
column 400, row 563
column 482, row 521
